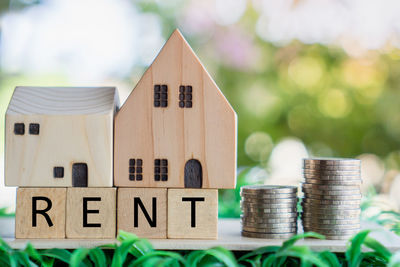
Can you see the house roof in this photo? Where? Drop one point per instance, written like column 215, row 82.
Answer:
column 63, row 100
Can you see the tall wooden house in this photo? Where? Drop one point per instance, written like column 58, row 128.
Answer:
column 176, row 129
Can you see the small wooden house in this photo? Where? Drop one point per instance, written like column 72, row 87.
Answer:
column 176, row 129
column 60, row 137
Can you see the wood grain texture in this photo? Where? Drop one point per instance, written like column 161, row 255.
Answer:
column 157, row 228
column 206, row 131
column 91, row 213
column 41, row 198
column 63, row 139
column 193, row 213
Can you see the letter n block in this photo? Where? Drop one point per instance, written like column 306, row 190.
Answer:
column 143, row 211
column 40, row 213
column 193, row 213
column 91, row 213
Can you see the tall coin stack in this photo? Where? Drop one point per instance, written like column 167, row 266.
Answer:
column 332, row 197
column 269, row 211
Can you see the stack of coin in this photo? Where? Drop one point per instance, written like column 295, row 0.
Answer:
column 269, row 211
column 332, row 197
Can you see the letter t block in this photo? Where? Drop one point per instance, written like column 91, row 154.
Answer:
column 91, row 212
column 193, row 213
column 40, row 213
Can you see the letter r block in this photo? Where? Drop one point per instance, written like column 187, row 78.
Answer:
column 91, row 213
column 193, row 213
column 40, row 213
column 143, row 211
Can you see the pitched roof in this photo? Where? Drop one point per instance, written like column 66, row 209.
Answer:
column 63, row 100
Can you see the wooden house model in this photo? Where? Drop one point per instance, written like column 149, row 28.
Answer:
column 176, row 129
column 60, row 137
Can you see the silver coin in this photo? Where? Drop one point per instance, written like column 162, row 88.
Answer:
column 336, row 172
column 331, row 167
column 331, row 193
column 270, row 230
column 267, row 236
column 330, row 197
column 332, row 161
column 332, row 226
column 267, row 220
column 330, row 221
column 269, row 189
column 270, row 225
column 268, row 196
column 333, row 177
column 267, row 205
column 331, row 232
column 305, row 215
column 331, row 211
column 269, row 200
column 331, row 187
column 331, row 202
column 333, row 182
column 254, row 216
column 333, row 207
column 269, row 210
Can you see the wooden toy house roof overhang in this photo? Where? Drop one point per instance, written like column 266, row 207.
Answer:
column 63, row 101
column 176, row 114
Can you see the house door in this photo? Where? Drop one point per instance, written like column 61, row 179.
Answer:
column 79, row 175
column 193, row 174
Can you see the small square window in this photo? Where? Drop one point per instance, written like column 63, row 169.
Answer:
column 164, row 177
column 131, row 169
column 58, row 172
column 157, row 177
column 132, row 162
column 181, row 104
column 139, row 162
column 157, row 169
column 157, row 162
column 139, row 177
column 164, row 170
column 34, row 128
column 164, row 104
column 181, row 89
column 131, row 177
column 164, row 162
column 139, row 170
column 19, row 128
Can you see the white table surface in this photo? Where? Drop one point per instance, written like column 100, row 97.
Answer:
column 229, row 237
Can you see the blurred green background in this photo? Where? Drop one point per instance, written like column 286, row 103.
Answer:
column 305, row 78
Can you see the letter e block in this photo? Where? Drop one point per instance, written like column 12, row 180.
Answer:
column 40, row 213
column 193, row 213
column 143, row 211
column 91, row 213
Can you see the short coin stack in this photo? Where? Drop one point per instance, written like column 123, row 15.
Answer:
column 269, row 211
column 332, row 197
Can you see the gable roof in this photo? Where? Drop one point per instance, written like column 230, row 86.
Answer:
column 63, row 100
column 177, row 45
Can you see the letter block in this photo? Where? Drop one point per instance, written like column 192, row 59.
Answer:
column 91, row 213
column 143, row 211
column 193, row 213
column 40, row 213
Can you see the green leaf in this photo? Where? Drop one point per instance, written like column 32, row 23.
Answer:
column 379, row 249
column 98, row 257
column 33, row 253
column 78, row 256
column 59, row 254
column 260, row 251
column 121, row 252
column 140, row 248
column 172, row 255
column 329, row 258
column 291, row 241
column 304, row 253
column 353, row 253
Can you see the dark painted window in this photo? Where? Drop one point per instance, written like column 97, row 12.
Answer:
column 80, row 175
column 135, row 169
column 34, row 128
column 185, row 96
column 160, row 170
column 19, row 128
column 160, row 95
column 58, row 172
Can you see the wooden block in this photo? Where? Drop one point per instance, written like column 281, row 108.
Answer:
column 40, row 213
column 193, row 213
column 91, row 213
column 195, row 123
column 143, row 211
column 54, row 133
